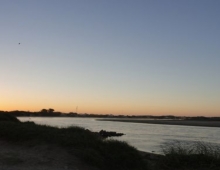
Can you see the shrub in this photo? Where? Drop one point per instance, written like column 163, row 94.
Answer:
column 120, row 155
column 7, row 117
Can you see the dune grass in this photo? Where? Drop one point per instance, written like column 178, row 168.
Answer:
column 105, row 154
column 191, row 155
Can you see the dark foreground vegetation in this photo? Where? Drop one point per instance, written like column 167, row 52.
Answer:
column 190, row 156
column 108, row 154
column 90, row 147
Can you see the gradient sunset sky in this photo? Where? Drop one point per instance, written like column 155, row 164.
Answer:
column 152, row 57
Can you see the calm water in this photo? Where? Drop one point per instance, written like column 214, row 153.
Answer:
column 145, row 137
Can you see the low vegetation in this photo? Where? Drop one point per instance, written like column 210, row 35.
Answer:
column 190, row 156
column 8, row 117
column 90, row 147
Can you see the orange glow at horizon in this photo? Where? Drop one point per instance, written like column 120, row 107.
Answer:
column 115, row 105
column 117, row 110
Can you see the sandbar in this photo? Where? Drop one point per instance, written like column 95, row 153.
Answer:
column 167, row 122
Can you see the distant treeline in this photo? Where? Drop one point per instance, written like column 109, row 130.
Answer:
column 52, row 113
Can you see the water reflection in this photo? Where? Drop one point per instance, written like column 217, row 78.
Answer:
column 145, row 137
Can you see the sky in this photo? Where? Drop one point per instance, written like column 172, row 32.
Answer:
column 130, row 57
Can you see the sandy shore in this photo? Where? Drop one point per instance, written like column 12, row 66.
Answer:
column 42, row 157
column 45, row 157
column 167, row 122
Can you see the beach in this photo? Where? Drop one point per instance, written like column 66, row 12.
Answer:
column 167, row 122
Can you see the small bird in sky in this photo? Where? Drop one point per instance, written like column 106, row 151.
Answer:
column 19, row 43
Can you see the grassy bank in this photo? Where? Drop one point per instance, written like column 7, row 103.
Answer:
column 179, row 155
column 91, row 148
column 190, row 156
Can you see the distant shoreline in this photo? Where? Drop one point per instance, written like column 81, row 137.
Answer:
column 167, row 122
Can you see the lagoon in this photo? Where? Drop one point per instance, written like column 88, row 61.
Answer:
column 145, row 137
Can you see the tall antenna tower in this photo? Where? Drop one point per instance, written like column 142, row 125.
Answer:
column 76, row 109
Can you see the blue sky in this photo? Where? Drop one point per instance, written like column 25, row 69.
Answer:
column 121, row 57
